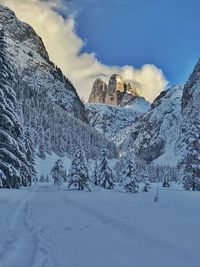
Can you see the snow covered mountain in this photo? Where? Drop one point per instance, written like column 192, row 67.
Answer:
column 114, row 121
column 47, row 102
column 49, row 105
column 34, row 69
column 188, row 144
column 154, row 136
column 150, row 132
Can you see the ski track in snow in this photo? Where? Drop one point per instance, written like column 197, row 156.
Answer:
column 26, row 246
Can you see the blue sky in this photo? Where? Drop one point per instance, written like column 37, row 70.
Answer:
column 139, row 39
column 134, row 32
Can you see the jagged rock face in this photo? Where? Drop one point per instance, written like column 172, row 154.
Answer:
column 98, row 92
column 154, row 136
column 130, row 88
column 116, row 83
column 113, row 93
column 115, row 90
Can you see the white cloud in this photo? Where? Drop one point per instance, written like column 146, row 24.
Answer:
column 64, row 48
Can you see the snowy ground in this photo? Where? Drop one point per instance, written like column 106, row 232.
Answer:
column 48, row 226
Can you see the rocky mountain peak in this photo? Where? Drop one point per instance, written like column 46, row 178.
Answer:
column 116, row 83
column 114, row 92
column 98, row 92
column 131, row 88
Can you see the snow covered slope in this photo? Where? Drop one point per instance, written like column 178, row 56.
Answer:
column 188, row 145
column 154, row 136
column 49, row 226
column 114, row 121
column 34, row 69
column 137, row 103
column 47, row 100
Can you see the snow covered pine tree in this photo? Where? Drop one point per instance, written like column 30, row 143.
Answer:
column 58, row 172
column 79, row 173
column 95, row 177
column 13, row 164
column 147, row 186
column 42, row 179
column 30, row 153
column 191, row 178
column 106, row 174
column 166, row 181
column 130, row 180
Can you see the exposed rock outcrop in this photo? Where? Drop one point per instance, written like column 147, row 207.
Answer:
column 98, row 92
column 114, row 92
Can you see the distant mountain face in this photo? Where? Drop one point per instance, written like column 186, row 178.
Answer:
column 154, row 136
column 47, row 100
column 149, row 132
column 114, row 121
column 114, row 92
column 112, row 109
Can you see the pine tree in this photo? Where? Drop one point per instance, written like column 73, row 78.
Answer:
column 130, row 178
column 13, row 164
column 79, row 173
column 42, row 179
column 95, row 177
column 146, row 176
column 166, row 181
column 119, row 169
column 58, row 172
column 2, row 177
column 47, row 179
column 191, row 177
column 106, row 175
column 30, row 154
column 147, row 186
column 41, row 146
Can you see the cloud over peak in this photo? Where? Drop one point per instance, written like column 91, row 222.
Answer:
column 64, row 47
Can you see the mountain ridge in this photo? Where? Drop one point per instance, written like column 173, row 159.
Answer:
column 47, row 102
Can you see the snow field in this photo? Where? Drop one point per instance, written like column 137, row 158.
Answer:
column 51, row 226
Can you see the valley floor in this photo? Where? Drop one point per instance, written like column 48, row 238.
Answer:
column 46, row 226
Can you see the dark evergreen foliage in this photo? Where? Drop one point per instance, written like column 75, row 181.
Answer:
column 147, row 186
column 106, row 174
column 130, row 178
column 13, row 163
column 58, row 172
column 191, row 175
